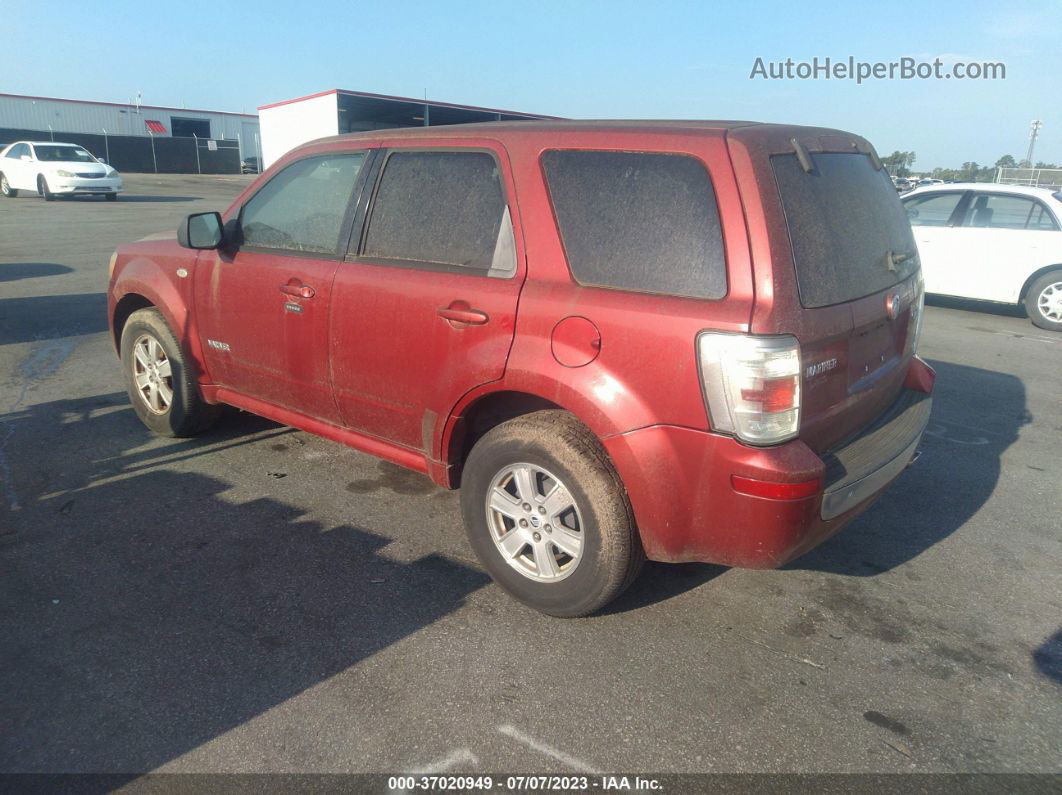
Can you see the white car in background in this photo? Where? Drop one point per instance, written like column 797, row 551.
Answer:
column 52, row 169
column 991, row 242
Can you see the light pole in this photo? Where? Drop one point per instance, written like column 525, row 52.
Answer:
column 1034, row 131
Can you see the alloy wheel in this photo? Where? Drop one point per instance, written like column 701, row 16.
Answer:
column 534, row 522
column 152, row 374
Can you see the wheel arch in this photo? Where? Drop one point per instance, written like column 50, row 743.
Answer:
column 1036, row 275
column 127, row 305
column 141, row 283
column 472, row 419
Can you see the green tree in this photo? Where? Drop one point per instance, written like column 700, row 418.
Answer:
column 899, row 163
column 1007, row 161
column 969, row 171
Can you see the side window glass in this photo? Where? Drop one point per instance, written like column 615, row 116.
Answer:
column 1042, row 219
column 302, row 208
column 995, row 211
column 641, row 221
column 442, row 208
column 932, row 210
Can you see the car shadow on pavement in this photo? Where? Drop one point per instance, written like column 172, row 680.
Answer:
column 970, row 305
column 145, row 610
column 12, row 271
column 659, row 582
column 1048, row 657
column 977, row 415
column 131, row 197
column 140, row 197
column 33, row 319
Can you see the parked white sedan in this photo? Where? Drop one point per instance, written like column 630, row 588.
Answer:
column 52, row 169
column 992, row 243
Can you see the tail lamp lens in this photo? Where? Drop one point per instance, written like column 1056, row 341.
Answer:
column 751, row 385
column 918, row 308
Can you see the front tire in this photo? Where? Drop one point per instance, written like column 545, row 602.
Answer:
column 43, row 190
column 160, row 378
column 6, row 189
column 1043, row 302
column 547, row 515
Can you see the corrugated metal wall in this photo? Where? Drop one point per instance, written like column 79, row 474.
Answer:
column 32, row 113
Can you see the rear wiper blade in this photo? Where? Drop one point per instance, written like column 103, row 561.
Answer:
column 802, row 155
column 894, row 258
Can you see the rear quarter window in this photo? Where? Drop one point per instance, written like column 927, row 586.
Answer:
column 639, row 221
column 849, row 233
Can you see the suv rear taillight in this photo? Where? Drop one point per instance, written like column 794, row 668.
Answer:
column 918, row 308
column 751, row 385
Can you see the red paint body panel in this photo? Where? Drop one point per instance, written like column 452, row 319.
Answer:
column 410, row 459
column 575, row 341
column 397, row 365
column 856, row 334
column 275, row 340
column 369, row 362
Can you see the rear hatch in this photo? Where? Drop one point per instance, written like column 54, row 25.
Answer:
column 839, row 271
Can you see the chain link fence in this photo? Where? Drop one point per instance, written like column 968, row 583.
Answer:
column 152, row 154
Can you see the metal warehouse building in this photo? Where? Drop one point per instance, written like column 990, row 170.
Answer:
column 130, row 131
column 291, row 122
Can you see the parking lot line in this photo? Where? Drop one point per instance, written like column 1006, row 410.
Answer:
column 542, row 748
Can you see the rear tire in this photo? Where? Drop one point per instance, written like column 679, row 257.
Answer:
column 1043, row 301
column 161, row 378
column 42, row 189
column 557, row 455
column 6, row 189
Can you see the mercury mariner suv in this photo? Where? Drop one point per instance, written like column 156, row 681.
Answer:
column 681, row 341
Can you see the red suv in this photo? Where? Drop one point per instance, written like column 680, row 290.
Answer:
column 687, row 341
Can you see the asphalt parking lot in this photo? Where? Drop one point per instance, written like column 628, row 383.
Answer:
column 260, row 599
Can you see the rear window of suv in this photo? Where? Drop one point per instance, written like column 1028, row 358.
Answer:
column 638, row 221
column 849, row 233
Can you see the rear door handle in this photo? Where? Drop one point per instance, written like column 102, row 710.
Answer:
column 461, row 312
column 298, row 289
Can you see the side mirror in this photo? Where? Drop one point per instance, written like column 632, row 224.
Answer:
column 201, row 231
column 27, row 158
column 102, row 160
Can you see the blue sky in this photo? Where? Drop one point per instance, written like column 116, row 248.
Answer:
column 578, row 59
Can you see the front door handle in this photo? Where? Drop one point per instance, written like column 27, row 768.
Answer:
column 460, row 314
column 298, row 289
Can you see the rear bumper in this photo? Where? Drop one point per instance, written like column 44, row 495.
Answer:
column 863, row 466
column 680, row 483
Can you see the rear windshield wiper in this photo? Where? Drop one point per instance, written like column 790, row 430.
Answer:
column 894, row 258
